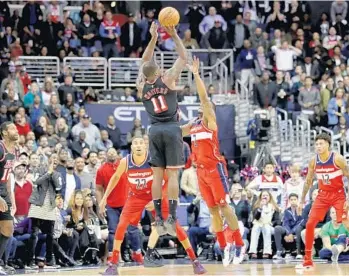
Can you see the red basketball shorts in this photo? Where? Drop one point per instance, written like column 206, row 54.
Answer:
column 213, row 184
column 324, row 201
column 133, row 209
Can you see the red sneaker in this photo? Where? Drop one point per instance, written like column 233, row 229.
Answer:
column 138, row 257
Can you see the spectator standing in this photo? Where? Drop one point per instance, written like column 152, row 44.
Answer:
column 68, row 88
column 339, row 8
column 87, row 33
column 284, row 56
column 215, row 39
column 209, row 21
column 137, row 130
column 114, row 132
column 195, row 13
column 330, row 41
column 265, row 93
column 22, row 190
column 276, row 20
column 311, row 68
column 50, row 34
column 116, row 200
column 70, row 182
column 336, row 108
column 93, row 164
column 237, row 34
column 42, row 209
column 283, row 89
column 246, row 64
column 109, row 30
column 309, row 97
column 257, row 39
column 130, row 38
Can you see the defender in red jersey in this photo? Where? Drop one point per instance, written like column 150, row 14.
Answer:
column 211, row 166
column 329, row 169
column 140, row 178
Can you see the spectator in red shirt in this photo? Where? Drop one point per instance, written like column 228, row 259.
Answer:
column 22, row 190
column 116, row 200
column 26, row 79
column 22, row 125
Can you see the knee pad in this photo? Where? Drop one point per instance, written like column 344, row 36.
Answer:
column 181, row 234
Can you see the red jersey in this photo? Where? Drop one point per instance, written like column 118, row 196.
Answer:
column 117, row 197
column 140, row 177
column 329, row 176
column 205, row 145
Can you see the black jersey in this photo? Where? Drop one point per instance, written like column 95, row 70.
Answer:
column 7, row 160
column 160, row 102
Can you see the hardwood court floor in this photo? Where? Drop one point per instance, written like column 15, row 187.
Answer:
column 182, row 267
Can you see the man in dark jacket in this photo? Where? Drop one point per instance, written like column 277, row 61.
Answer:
column 114, row 132
column 265, row 93
column 87, row 33
column 291, row 221
column 130, row 38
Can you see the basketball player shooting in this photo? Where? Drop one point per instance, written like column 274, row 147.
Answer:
column 211, row 170
column 329, row 168
column 158, row 94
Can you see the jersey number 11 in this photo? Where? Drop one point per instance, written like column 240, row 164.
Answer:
column 159, row 104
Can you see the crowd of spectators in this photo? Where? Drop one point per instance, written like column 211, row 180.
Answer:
column 287, row 60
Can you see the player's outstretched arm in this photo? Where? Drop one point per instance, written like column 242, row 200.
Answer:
column 308, row 181
column 174, row 72
column 204, row 100
column 148, row 52
column 113, row 182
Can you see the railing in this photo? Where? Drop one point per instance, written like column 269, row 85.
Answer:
column 89, row 71
column 166, row 60
column 40, row 67
column 303, row 132
column 241, row 90
column 123, row 72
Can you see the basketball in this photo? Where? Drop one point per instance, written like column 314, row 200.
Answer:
column 169, row 17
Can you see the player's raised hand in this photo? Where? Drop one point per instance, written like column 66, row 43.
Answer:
column 3, row 205
column 171, row 30
column 194, row 67
column 154, row 29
